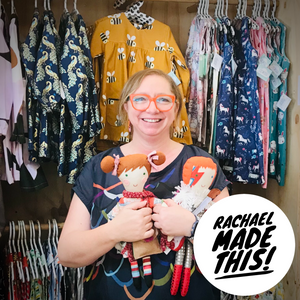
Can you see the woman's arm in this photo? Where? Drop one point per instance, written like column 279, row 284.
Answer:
column 222, row 195
column 79, row 245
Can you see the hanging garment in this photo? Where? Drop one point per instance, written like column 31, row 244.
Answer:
column 192, row 57
column 127, row 50
column 198, row 57
column 224, row 129
column 79, row 88
column 29, row 54
column 248, row 149
column 47, row 87
column 273, row 40
column 13, row 150
column 5, row 103
column 214, row 102
column 259, row 40
column 281, row 118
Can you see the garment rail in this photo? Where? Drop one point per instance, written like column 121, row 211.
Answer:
column 43, row 227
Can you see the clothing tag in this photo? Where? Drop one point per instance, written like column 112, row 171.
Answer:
column 284, row 102
column 174, row 77
column 276, row 82
column 264, row 61
column 234, row 66
column 276, row 69
column 202, row 65
column 263, row 73
column 217, row 62
column 253, row 176
column 228, row 168
column 62, row 93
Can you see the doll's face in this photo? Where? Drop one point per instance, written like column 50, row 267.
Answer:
column 202, row 178
column 134, row 180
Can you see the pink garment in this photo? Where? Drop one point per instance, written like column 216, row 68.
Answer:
column 259, row 42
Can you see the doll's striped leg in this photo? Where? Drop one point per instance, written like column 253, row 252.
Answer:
column 135, row 274
column 147, row 271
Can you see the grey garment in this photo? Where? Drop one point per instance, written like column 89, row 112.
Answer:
column 2, row 213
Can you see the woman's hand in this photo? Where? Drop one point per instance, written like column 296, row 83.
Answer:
column 133, row 223
column 172, row 219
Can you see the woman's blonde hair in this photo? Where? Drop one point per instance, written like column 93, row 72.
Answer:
column 135, row 81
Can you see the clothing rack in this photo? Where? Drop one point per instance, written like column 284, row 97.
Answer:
column 230, row 2
column 43, row 227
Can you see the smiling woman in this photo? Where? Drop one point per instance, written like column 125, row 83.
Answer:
column 152, row 103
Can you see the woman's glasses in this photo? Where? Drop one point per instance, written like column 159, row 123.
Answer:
column 141, row 102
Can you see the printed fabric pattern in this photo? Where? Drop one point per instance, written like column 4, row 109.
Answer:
column 259, row 38
column 248, row 148
column 224, row 129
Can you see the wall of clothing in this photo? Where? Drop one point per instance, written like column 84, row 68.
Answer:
column 53, row 200
column 232, row 106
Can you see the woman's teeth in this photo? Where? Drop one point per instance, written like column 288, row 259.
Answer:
column 151, row 120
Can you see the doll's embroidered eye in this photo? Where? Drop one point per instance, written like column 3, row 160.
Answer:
column 144, row 173
column 126, row 175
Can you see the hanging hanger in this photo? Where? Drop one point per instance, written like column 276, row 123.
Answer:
column 49, row 7
column 45, row 5
column 32, row 249
column 55, row 243
column 43, row 257
column 37, row 252
column 75, row 7
column 135, row 16
column 238, row 10
column 65, row 6
column 12, row 8
column 273, row 12
column 28, row 253
column 10, row 255
column 50, row 250
column 15, row 253
column 20, row 225
column 22, row 277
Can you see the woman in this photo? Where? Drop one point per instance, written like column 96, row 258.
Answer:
column 151, row 102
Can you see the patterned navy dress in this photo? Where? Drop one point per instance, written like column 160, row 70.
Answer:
column 224, row 129
column 248, row 149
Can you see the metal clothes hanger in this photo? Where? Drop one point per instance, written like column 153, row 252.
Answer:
column 49, row 7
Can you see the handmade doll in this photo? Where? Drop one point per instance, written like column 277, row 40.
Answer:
column 195, row 195
column 133, row 171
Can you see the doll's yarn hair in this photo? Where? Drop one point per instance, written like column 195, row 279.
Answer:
column 197, row 162
column 131, row 162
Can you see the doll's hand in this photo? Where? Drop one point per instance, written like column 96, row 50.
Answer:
column 133, row 223
column 173, row 219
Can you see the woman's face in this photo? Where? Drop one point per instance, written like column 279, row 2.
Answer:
column 151, row 122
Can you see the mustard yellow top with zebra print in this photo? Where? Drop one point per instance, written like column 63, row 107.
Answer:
column 127, row 50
